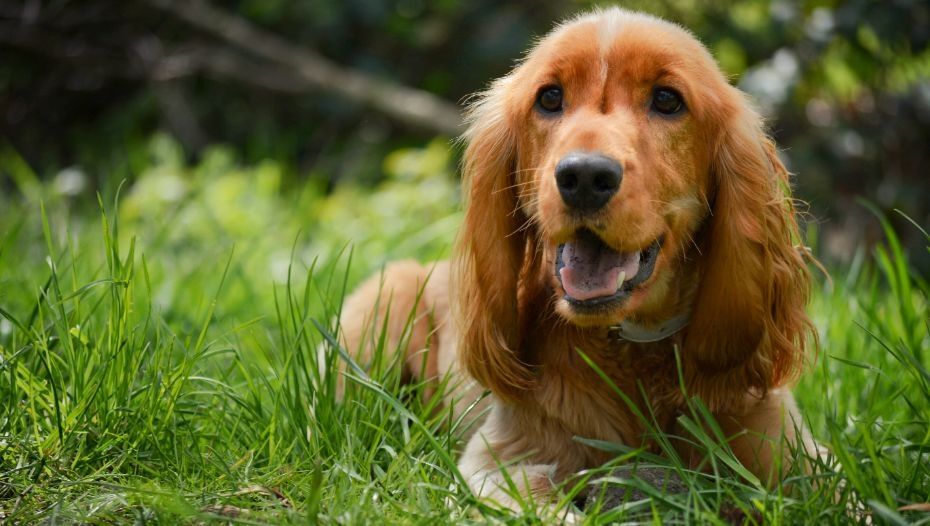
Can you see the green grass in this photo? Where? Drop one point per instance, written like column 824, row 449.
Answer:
column 158, row 364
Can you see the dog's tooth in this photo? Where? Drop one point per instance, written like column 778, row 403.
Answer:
column 621, row 278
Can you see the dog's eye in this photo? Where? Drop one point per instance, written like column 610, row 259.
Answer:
column 667, row 101
column 549, row 99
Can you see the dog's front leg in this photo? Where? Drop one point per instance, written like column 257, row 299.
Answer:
column 501, row 464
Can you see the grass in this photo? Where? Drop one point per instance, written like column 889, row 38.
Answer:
column 158, row 364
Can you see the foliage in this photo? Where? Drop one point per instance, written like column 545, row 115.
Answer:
column 147, row 385
column 72, row 93
column 158, row 363
column 846, row 85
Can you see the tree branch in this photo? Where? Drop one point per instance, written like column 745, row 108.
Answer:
column 228, row 64
column 407, row 105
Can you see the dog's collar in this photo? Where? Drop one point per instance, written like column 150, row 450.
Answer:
column 632, row 332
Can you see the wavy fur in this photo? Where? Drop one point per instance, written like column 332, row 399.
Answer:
column 702, row 183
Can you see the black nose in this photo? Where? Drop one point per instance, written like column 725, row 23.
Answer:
column 587, row 181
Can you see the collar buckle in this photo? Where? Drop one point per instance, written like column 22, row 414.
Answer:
column 632, row 332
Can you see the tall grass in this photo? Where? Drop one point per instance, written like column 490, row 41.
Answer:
column 159, row 364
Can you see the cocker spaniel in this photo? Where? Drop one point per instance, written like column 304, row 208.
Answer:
column 629, row 242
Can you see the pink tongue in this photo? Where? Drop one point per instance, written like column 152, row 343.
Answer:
column 591, row 268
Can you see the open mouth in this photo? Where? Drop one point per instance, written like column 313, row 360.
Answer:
column 592, row 274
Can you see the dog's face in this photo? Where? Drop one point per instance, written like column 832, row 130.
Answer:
column 613, row 176
column 614, row 160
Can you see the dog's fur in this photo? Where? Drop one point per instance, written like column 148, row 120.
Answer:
column 700, row 180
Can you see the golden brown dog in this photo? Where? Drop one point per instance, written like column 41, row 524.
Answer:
column 624, row 207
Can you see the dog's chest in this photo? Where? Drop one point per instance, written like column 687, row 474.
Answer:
column 614, row 392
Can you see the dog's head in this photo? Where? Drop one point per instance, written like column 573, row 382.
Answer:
column 613, row 176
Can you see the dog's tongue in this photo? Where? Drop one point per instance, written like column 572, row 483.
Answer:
column 591, row 269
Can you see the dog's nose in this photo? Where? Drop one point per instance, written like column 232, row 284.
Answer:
column 587, row 181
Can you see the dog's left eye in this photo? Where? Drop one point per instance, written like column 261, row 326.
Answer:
column 667, row 101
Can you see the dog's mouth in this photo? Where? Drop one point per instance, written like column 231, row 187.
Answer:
column 593, row 274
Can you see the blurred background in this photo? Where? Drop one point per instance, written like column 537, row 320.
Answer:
column 327, row 94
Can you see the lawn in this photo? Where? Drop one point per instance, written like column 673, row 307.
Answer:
column 158, row 361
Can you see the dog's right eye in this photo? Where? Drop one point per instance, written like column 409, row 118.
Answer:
column 549, row 99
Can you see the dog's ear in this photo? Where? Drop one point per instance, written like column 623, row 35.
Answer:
column 749, row 328
column 489, row 255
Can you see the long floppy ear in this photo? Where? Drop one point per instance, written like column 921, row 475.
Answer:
column 749, row 329
column 488, row 258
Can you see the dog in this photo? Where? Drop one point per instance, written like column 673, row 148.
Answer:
column 629, row 243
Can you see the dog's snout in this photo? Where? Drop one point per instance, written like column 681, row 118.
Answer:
column 587, row 181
